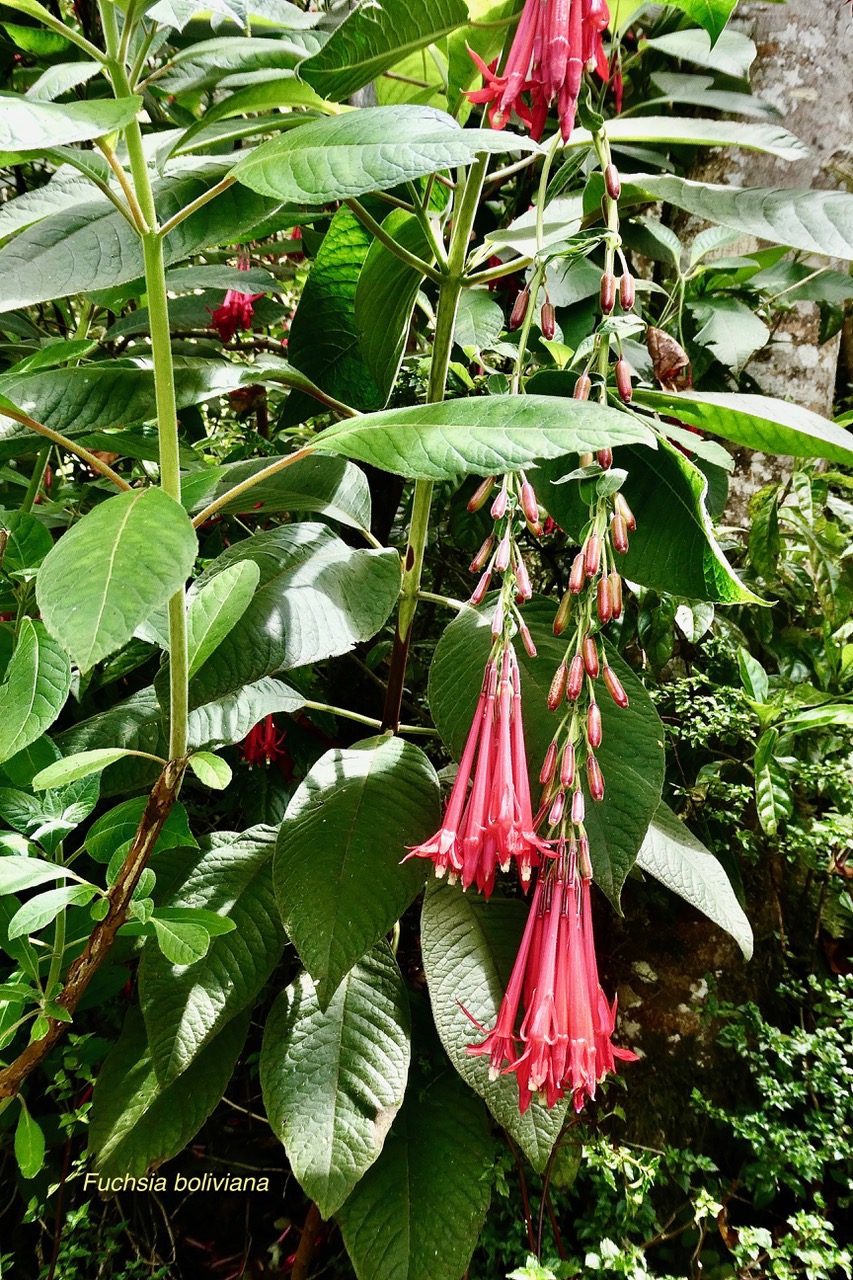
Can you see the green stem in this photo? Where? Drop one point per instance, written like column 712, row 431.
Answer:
column 35, row 479
column 55, row 971
column 375, row 228
column 452, row 284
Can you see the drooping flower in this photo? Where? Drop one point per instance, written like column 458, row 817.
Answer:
column 263, row 744
column 554, row 42
column 491, row 824
column 567, row 1024
column 235, row 314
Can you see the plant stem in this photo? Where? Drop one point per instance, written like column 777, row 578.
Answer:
column 65, row 443
column 35, row 479
column 198, row 203
column 452, row 284
column 411, row 259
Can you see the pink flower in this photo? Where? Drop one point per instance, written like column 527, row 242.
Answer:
column 491, row 824
column 554, row 42
column 235, row 314
column 567, row 1023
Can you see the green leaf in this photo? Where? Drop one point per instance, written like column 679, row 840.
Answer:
column 216, row 608
column 339, row 878
column 34, row 690
column 418, row 1211
column 483, row 435
column 758, row 422
column 17, row 872
column 771, row 139
column 730, row 330
column 772, row 794
column 764, row 541
column 479, row 320
column 40, row 125
column 109, row 571
column 753, row 677
column 211, row 770
column 28, row 542
column 367, row 150
column 48, row 818
column 204, row 63
column 732, row 53
column 111, row 836
column 181, row 942
column 136, row 1121
column 698, row 91
column 136, row 724
column 674, row 547
column 385, row 299
column 228, row 719
column 631, row 753
column 334, row 1080
column 185, row 1007
column 44, row 907
column 469, row 947
column 710, row 14
column 329, row 486
column 814, row 221
column 29, row 1144
column 60, row 79
column 324, row 339
column 373, row 38
column 836, row 713
column 71, row 768
column 317, row 598
column 64, row 254
column 673, row 855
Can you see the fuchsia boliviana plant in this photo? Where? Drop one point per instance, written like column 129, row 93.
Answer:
column 555, row 41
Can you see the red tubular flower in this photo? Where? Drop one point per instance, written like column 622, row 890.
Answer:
column 235, row 314
column 566, row 1021
column 554, row 41
column 263, row 743
column 492, row 824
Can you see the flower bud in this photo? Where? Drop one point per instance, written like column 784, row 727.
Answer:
column 607, row 295
column 592, row 555
column 595, row 778
column 500, row 503
column 578, row 806
column 527, row 638
column 619, row 533
column 498, row 619
column 503, row 553
column 529, row 505
column 616, row 593
column 547, row 320
column 478, row 595
column 612, row 184
column 623, row 379
column 627, row 291
column 567, row 765
column 574, row 681
column 561, row 618
column 593, row 725
column 555, row 817
column 604, row 458
column 584, row 862
column 583, row 386
column 584, row 459
column 577, row 577
column 480, row 495
column 482, row 555
column 519, row 310
column 590, row 657
column 549, row 764
column 625, row 512
column 558, row 687
column 614, row 687
column 604, row 601
column 523, row 589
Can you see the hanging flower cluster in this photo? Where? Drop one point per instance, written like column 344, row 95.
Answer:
column 235, row 314
column 555, row 41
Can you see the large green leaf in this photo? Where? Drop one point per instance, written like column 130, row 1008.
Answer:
column 483, row 435
column 228, row 719
column 771, row 139
column 109, row 571
column 22, row 211
column 137, row 723
column 385, row 299
column 631, row 753
column 730, row 330
column 469, row 947
column 339, row 878
column 29, row 125
column 136, row 1122
column 814, row 221
column 38, row 680
column 217, row 607
column 65, row 253
column 111, row 836
column 673, row 547
column 673, row 855
column 45, row 907
column 710, row 14
column 185, row 1006
column 324, row 339
column 204, row 63
column 317, row 598
column 759, row 422
column 733, row 53
column 329, row 486
column 373, row 38
column 368, row 150
column 418, row 1211
column 333, row 1081
column 27, row 543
